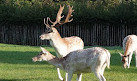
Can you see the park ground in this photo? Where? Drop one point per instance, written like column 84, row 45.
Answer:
column 16, row 65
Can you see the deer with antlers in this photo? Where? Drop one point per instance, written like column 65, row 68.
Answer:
column 62, row 46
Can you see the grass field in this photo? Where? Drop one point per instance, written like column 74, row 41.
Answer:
column 16, row 65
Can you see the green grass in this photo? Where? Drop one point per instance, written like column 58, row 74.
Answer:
column 16, row 65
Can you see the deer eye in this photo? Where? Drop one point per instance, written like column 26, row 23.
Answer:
column 48, row 31
column 40, row 54
column 124, row 56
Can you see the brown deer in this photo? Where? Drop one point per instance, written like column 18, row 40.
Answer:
column 129, row 46
column 62, row 46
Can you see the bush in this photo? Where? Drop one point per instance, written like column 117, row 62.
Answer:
column 33, row 11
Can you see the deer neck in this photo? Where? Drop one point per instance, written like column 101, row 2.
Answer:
column 128, row 46
column 57, row 39
column 57, row 62
column 57, row 42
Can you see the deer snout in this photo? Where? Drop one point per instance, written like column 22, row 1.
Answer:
column 45, row 36
column 125, row 66
column 34, row 59
column 41, row 37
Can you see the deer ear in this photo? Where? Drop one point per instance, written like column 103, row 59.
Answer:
column 43, row 50
column 120, row 54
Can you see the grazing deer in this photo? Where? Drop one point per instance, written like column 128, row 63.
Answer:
column 129, row 46
column 61, row 45
column 88, row 60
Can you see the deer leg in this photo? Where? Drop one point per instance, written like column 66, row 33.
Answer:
column 102, row 72
column 70, row 74
column 102, row 77
column 129, row 59
column 98, row 75
column 103, row 68
column 59, row 75
column 96, row 70
column 136, row 57
column 66, row 76
column 79, row 76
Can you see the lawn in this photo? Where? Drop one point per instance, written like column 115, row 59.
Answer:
column 16, row 65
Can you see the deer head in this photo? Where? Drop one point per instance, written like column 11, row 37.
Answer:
column 43, row 55
column 124, row 59
column 51, row 30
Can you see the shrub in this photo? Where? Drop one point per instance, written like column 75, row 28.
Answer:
column 33, row 11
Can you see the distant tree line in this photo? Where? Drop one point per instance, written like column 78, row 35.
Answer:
column 94, row 11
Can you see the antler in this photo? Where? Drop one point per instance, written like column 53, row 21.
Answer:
column 47, row 25
column 69, row 15
column 58, row 17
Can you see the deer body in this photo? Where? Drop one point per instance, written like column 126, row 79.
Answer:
column 81, row 61
column 62, row 46
column 65, row 45
column 129, row 46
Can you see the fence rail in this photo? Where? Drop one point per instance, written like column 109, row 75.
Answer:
column 92, row 34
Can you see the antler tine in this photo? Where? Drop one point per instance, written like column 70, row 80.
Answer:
column 70, row 10
column 58, row 17
column 44, row 21
column 69, row 15
column 47, row 20
column 47, row 25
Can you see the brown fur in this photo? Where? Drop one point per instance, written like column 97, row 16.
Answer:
column 128, row 44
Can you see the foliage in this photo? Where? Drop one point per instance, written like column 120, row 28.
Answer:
column 16, row 65
column 33, row 11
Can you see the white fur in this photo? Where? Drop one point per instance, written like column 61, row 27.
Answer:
column 82, row 61
column 63, row 46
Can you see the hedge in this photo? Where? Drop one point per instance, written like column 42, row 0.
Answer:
column 33, row 11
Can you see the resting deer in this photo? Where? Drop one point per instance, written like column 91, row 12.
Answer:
column 88, row 60
column 61, row 45
column 129, row 46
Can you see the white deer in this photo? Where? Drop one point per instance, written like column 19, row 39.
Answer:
column 88, row 60
column 62, row 46
column 129, row 46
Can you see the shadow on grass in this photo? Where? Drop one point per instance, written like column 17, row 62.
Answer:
column 31, row 79
column 13, row 57
column 17, row 57
column 115, row 60
column 14, row 80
